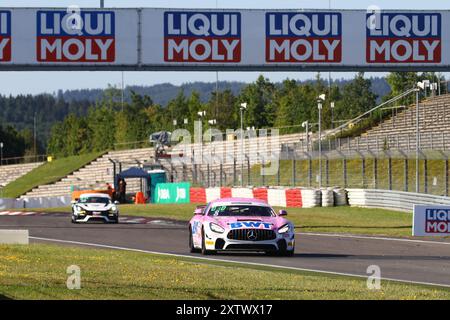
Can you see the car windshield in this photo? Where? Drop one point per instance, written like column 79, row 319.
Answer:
column 100, row 200
column 241, row 211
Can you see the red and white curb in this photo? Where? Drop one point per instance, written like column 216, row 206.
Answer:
column 19, row 213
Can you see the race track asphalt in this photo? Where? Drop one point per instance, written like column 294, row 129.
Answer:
column 413, row 261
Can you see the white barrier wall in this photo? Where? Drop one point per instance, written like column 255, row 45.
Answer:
column 11, row 204
column 45, row 202
column 395, row 200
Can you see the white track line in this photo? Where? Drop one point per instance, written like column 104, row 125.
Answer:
column 4, row 213
column 234, row 261
column 336, row 235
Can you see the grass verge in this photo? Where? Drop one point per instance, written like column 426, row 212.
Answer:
column 49, row 172
column 39, row 272
column 334, row 219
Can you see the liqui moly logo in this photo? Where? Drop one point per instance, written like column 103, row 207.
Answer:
column 86, row 36
column 5, row 36
column 202, row 37
column 303, row 37
column 403, row 38
column 437, row 221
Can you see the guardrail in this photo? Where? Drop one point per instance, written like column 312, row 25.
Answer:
column 395, row 200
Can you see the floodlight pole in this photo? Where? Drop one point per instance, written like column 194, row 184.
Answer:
column 242, row 146
column 1, row 153
column 242, row 107
column 319, row 105
column 102, row 3
column 417, row 141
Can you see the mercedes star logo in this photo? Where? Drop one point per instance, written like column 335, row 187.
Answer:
column 251, row 235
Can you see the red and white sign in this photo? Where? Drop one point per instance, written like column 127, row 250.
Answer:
column 303, row 37
column 404, row 38
column 202, row 36
column 87, row 36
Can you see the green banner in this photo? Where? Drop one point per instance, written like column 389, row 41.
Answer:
column 172, row 193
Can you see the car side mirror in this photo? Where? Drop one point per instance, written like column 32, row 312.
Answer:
column 198, row 212
column 73, row 202
column 282, row 213
column 116, row 202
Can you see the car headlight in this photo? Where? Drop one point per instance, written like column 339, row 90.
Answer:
column 216, row 228
column 78, row 209
column 114, row 209
column 284, row 229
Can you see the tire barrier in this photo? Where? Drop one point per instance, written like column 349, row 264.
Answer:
column 197, row 195
column 260, row 193
column 340, row 197
column 327, row 197
column 311, row 198
column 294, row 198
column 394, row 200
column 278, row 197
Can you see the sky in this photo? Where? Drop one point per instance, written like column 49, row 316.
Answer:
column 39, row 82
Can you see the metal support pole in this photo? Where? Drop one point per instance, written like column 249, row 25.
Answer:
column 263, row 173
column 278, row 177
column 293, row 172
column 242, row 148
column 375, row 173
column 425, row 175
column 309, row 172
column 344, row 171
column 446, row 177
column 209, row 175
column 249, row 180
column 221, row 174
column 234, row 172
column 320, row 145
column 417, row 141
column 390, row 173
column 363, row 171
column 327, row 172
column 406, row 174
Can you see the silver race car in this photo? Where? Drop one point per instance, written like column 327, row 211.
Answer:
column 95, row 206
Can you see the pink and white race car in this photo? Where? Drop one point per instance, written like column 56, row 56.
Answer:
column 239, row 224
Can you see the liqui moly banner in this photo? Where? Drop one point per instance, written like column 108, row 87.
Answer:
column 404, row 38
column 202, row 36
column 5, row 36
column 431, row 220
column 67, row 37
column 303, row 37
column 228, row 40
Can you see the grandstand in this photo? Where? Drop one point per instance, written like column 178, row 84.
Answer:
column 399, row 130
column 9, row 173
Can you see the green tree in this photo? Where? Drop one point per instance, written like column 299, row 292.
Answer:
column 195, row 105
column 101, row 126
column 227, row 110
column 294, row 105
column 357, row 97
column 178, row 109
column 260, row 105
